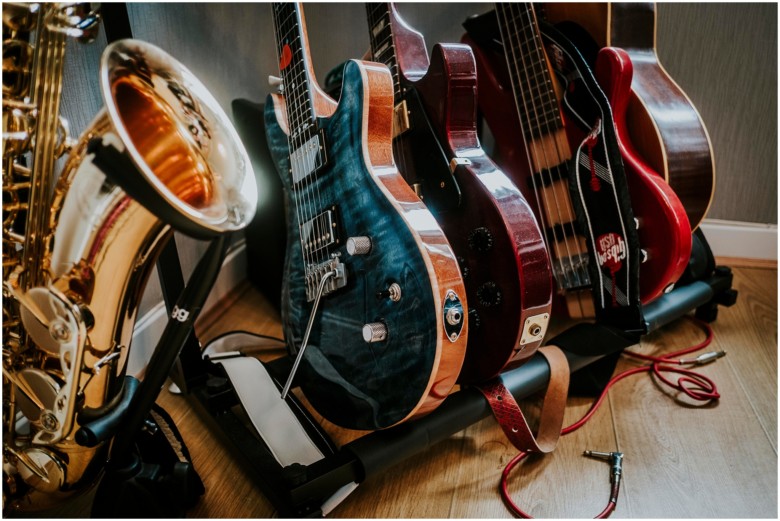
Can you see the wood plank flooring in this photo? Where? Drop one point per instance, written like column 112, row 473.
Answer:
column 681, row 460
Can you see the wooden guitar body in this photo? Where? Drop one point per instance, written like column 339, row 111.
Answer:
column 487, row 220
column 351, row 382
column 664, row 230
column 661, row 121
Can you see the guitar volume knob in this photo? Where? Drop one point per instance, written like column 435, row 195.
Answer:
column 360, row 245
column 374, row 332
column 480, row 239
column 489, row 295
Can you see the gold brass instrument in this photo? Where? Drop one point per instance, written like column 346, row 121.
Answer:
column 76, row 261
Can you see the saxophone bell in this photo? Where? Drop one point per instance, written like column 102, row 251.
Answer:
column 160, row 156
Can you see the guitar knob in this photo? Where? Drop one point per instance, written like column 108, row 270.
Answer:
column 360, row 245
column 374, row 332
column 489, row 295
column 480, row 239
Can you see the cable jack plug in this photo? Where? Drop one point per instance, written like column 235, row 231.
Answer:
column 705, row 358
column 616, row 459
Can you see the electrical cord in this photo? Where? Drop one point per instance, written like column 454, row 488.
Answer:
column 693, row 384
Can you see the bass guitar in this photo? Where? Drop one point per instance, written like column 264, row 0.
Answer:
column 487, row 220
column 373, row 302
column 522, row 80
column 661, row 121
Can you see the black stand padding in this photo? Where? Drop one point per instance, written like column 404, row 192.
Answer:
column 101, row 429
column 593, row 340
column 702, row 262
column 266, row 235
column 157, row 481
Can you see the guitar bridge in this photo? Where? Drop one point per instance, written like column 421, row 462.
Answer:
column 315, row 274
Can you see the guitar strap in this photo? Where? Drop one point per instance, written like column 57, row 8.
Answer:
column 511, row 418
column 599, row 190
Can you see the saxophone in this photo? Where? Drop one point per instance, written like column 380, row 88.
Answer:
column 77, row 253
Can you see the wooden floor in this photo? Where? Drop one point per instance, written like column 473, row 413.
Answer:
column 681, row 461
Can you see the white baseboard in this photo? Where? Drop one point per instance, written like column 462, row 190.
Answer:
column 741, row 239
column 149, row 327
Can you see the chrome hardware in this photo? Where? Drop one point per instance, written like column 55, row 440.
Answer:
column 534, row 328
column 374, row 332
column 315, row 274
column 645, row 255
column 360, row 245
column 395, row 292
column 453, row 315
column 320, row 289
column 320, row 232
column 275, row 82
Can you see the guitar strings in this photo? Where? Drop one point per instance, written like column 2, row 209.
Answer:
column 549, row 126
column 524, row 113
column 324, row 252
column 545, row 127
column 299, row 83
column 279, row 21
column 553, row 101
column 300, row 116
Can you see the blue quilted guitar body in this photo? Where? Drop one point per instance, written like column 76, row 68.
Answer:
column 351, row 382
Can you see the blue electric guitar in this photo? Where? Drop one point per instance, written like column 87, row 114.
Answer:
column 373, row 303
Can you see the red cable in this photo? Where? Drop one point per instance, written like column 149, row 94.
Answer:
column 701, row 388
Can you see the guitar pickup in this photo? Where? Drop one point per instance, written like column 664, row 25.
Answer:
column 320, row 232
column 308, row 158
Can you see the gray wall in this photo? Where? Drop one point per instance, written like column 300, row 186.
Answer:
column 723, row 55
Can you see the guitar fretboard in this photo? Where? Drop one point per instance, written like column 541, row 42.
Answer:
column 291, row 48
column 380, row 28
column 531, row 80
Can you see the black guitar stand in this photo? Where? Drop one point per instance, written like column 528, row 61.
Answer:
column 315, row 488
column 149, row 472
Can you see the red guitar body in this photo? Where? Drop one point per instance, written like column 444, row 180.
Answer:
column 492, row 230
column 664, row 231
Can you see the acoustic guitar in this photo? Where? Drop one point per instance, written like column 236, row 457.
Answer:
column 487, row 220
column 371, row 288
column 661, row 121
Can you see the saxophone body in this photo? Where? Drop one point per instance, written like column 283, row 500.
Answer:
column 69, row 308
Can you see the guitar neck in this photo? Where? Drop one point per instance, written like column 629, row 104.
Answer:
column 532, row 79
column 294, row 64
column 381, row 23
column 545, row 139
